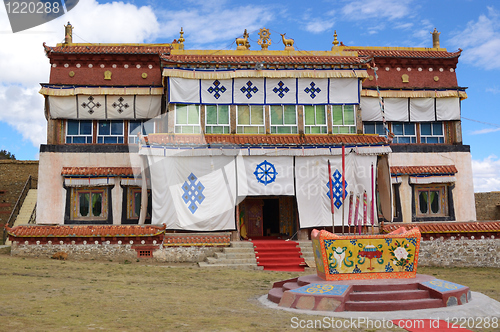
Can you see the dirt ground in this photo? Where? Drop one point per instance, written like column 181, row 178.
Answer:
column 44, row 294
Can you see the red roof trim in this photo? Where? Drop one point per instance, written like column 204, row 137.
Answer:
column 423, row 170
column 85, row 231
column 99, row 171
column 449, row 227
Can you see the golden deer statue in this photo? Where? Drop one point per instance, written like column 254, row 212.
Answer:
column 287, row 42
column 242, row 43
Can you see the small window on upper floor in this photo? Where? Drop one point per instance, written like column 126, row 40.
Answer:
column 110, row 132
column 283, row 119
column 79, row 132
column 344, row 121
column 404, row 132
column 187, row 119
column 374, row 128
column 217, row 119
column 315, row 119
column 134, row 127
column 250, row 119
column 431, row 132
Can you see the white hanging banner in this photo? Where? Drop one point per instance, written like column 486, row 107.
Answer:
column 193, row 193
column 147, row 107
column 62, row 107
column 312, row 91
column 183, row 90
column 91, row 107
column 281, row 91
column 422, row 109
column 217, row 91
column 447, row 109
column 313, row 191
column 263, row 175
column 344, row 91
column 120, row 107
column 248, row 91
column 396, row 109
column 370, row 109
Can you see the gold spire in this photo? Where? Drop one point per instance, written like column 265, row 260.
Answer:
column 68, row 33
column 435, row 38
column 181, row 38
column 335, row 41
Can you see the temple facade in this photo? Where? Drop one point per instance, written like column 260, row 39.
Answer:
column 256, row 142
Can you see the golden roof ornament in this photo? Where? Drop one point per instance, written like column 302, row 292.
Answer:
column 287, row 42
column 243, row 43
column 435, row 38
column 265, row 39
column 68, row 33
column 335, row 41
column 181, row 38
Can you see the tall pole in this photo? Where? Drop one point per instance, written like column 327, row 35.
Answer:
column 331, row 194
column 372, row 216
column 343, row 185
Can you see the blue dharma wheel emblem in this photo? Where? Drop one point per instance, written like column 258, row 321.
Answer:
column 265, row 172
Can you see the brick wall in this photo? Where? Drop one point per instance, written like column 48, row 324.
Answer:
column 13, row 176
column 488, row 205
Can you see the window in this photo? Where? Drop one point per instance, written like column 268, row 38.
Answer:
column 315, row 119
column 431, row 201
column 134, row 195
column 79, row 132
column 217, row 119
column 431, row 132
column 187, row 119
column 343, row 119
column 110, row 132
column 250, row 119
column 145, row 127
column 374, row 128
column 89, row 203
column 283, row 119
column 404, row 132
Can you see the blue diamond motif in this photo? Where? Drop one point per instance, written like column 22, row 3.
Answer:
column 312, row 90
column 248, row 88
column 193, row 193
column 336, row 184
column 217, row 89
column 280, row 89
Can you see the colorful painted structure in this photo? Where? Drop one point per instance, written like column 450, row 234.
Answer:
column 393, row 255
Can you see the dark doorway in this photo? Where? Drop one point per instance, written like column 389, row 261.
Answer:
column 271, row 217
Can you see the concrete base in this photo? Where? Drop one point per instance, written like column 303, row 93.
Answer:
column 422, row 292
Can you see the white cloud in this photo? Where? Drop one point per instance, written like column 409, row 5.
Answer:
column 383, row 9
column 318, row 26
column 481, row 41
column 486, row 174
column 484, row 131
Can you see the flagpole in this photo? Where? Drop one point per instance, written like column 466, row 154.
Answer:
column 372, row 217
column 331, row 194
column 343, row 185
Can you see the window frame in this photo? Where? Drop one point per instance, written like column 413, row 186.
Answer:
column 412, row 138
column 76, row 193
column 275, row 127
column 443, row 198
column 425, row 138
column 101, row 138
column 181, row 128
column 323, row 128
column 226, row 127
column 88, row 137
column 377, row 126
column 351, row 128
column 241, row 128
column 132, row 138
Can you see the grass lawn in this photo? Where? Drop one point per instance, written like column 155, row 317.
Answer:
column 45, row 294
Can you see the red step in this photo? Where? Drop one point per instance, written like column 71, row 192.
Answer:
column 393, row 305
column 278, row 255
column 390, row 295
column 384, row 287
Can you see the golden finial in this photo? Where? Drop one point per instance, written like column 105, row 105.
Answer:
column 68, row 33
column 181, row 38
column 287, row 42
column 242, row 43
column 335, row 41
column 435, row 38
column 265, row 39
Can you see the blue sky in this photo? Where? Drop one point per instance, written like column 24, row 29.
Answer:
column 473, row 26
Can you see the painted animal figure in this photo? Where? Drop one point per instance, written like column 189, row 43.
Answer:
column 242, row 43
column 286, row 42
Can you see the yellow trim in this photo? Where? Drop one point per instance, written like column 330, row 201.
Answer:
column 414, row 94
column 100, row 91
column 112, row 44
column 228, row 74
column 339, row 52
column 388, row 48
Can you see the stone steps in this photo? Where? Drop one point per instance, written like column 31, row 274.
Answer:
column 240, row 254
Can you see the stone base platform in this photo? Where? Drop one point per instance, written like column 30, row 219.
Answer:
column 422, row 292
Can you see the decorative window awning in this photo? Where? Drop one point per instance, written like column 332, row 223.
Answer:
column 100, row 176
column 101, row 107
column 62, row 91
column 424, row 174
column 264, row 90
column 413, row 109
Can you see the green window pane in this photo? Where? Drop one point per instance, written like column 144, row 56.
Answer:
column 290, row 117
column 423, row 201
column 320, row 115
column 352, row 130
column 181, row 114
column 257, row 115
column 211, row 116
column 96, row 204
column 434, row 201
column 315, row 130
column 343, row 130
column 84, row 202
column 349, row 115
column 223, row 114
column 337, row 115
column 276, row 115
column 217, row 130
column 309, row 115
column 193, row 114
column 243, row 115
column 283, row 130
column 251, row 130
column 137, row 204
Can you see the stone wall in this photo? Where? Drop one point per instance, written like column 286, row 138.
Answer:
column 13, row 176
column 460, row 253
column 488, row 205
column 184, row 254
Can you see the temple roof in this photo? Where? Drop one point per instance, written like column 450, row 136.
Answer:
column 99, row 171
column 403, row 52
column 108, row 49
column 448, row 227
column 424, row 170
column 85, row 231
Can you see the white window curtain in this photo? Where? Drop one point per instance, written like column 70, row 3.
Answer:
column 63, row 107
column 422, row 110
column 396, row 109
column 448, row 109
column 344, row 91
column 370, row 109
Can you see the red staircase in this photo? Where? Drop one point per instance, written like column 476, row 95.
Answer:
column 278, row 255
